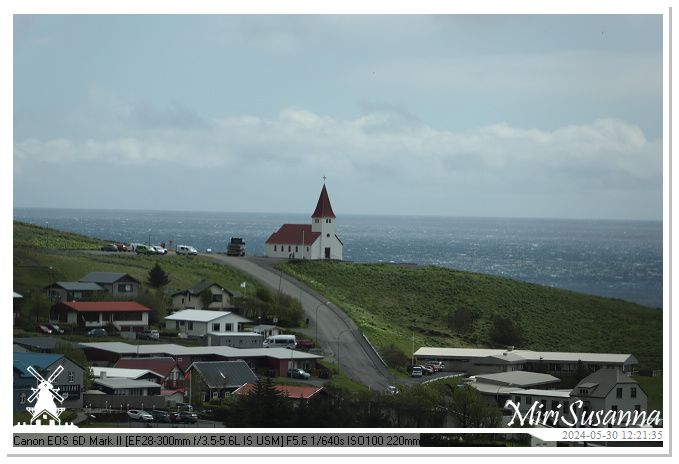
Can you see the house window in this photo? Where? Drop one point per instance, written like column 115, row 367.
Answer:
column 215, row 327
column 637, row 407
column 203, row 396
column 215, row 395
column 633, row 393
column 124, row 288
column 190, row 324
column 22, row 398
column 71, row 376
column 618, row 393
column 529, row 399
column 517, row 399
column 217, row 298
column 555, row 405
column 228, row 327
column 614, row 408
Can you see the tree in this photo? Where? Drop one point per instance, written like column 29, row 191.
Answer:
column 504, row 332
column 157, row 277
column 206, row 297
column 468, row 409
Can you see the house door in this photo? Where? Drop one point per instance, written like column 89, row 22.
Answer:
column 327, row 253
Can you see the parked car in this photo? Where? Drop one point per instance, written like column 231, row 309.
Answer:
column 148, row 335
column 432, row 367
column 97, row 333
column 43, row 329
column 185, row 250
column 426, row 370
column 391, row 390
column 188, row 417
column 416, row 371
column 55, row 328
column 174, row 416
column 295, row 373
column 109, row 247
column 139, row 415
column 122, row 247
column 304, row 345
column 437, row 364
column 145, row 250
column 184, row 407
column 160, row 416
column 160, row 250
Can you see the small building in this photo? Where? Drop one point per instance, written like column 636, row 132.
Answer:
column 103, row 373
column 244, row 340
column 314, row 241
column 218, row 379
column 126, row 316
column 119, row 284
column 494, row 388
column 609, row 390
column 191, row 298
column 127, row 387
column 71, row 291
column 68, row 383
column 297, row 394
column 197, row 322
column 171, row 374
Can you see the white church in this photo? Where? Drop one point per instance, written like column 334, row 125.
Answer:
column 314, row 241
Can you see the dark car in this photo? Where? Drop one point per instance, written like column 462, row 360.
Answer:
column 109, row 247
column 97, row 333
column 55, row 328
column 160, row 415
column 188, row 417
column 43, row 329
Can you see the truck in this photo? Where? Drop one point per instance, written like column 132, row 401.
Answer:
column 236, row 247
column 304, row 345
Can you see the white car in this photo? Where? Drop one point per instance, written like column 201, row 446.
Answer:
column 160, row 250
column 139, row 415
column 298, row 374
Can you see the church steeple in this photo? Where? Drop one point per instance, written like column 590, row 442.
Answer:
column 323, row 208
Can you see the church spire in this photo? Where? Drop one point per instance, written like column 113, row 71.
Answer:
column 323, row 208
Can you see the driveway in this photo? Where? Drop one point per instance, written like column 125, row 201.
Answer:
column 341, row 342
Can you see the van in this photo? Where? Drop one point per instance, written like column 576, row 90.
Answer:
column 280, row 341
column 186, row 250
column 417, row 371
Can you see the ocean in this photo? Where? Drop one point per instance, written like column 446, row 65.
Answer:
column 618, row 259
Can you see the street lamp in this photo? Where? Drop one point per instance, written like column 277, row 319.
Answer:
column 338, row 349
column 326, row 303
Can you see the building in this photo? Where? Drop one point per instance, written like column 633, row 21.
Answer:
column 72, row 291
column 171, row 375
column 218, row 379
column 487, row 361
column 126, row 316
column 297, row 394
column 198, row 323
column 315, row 241
column 68, row 382
column 119, row 284
column 191, row 299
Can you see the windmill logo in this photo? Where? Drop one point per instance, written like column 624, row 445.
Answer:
column 45, row 395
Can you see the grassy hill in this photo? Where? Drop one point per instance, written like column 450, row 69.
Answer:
column 403, row 306
column 416, row 306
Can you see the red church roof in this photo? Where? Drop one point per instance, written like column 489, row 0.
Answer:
column 292, row 234
column 323, row 208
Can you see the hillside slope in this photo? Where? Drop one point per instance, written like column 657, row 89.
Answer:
column 414, row 307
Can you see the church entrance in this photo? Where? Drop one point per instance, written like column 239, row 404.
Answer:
column 327, row 253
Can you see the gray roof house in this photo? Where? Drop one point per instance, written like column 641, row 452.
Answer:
column 69, row 291
column 190, row 298
column 198, row 322
column 119, row 284
column 218, row 379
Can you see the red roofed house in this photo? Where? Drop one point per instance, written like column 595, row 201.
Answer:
column 314, row 241
column 295, row 393
column 173, row 375
column 126, row 316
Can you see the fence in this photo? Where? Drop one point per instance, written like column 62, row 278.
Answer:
column 123, row 402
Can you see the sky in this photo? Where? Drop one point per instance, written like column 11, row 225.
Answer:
column 530, row 115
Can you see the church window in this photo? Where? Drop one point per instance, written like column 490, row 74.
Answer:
column 317, row 220
column 274, row 248
column 296, row 248
column 289, row 248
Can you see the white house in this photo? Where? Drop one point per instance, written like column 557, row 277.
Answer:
column 198, row 322
column 314, row 241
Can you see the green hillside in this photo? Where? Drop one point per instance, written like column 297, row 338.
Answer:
column 394, row 304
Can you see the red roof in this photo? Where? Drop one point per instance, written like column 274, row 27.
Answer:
column 101, row 306
column 294, row 234
column 323, row 208
column 289, row 390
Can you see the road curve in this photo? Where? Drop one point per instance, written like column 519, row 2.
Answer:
column 339, row 337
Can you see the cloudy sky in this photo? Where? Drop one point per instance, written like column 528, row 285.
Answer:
column 456, row 115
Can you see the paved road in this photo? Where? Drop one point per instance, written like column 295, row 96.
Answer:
column 340, row 339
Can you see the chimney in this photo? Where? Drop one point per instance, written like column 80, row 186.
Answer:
column 102, row 375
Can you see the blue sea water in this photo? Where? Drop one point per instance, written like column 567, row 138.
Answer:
column 619, row 259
